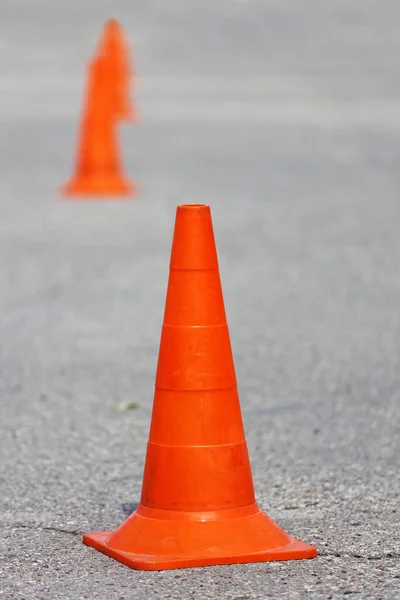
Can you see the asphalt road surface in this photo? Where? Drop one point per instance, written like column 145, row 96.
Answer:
column 285, row 118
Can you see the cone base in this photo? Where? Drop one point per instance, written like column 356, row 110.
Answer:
column 99, row 186
column 151, row 544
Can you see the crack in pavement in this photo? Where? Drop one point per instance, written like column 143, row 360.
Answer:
column 360, row 556
column 74, row 532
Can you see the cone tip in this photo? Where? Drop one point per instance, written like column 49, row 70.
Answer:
column 193, row 245
column 111, row 30
column 186, row 208
column 112, row 23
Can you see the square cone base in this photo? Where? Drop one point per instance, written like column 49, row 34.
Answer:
column 99, row 187
column 148, row 544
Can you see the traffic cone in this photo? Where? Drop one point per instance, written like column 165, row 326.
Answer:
column 197, row 506
column 98, row 169
column 114, row 49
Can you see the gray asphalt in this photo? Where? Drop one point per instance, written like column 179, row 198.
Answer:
column 286, row 120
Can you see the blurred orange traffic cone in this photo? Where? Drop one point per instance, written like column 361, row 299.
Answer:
column 197, row 506
column 113, row 48
column 98, row 169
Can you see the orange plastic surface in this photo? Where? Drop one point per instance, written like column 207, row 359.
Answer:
column 113, row 49
column 98, row 170
column 197, row 506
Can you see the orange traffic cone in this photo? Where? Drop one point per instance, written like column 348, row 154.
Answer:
column 197, row 506
column 113, row 48
column 98, row 168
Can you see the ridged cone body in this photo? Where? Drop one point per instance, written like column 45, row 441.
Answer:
column 98, row 170
column 197, row 506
